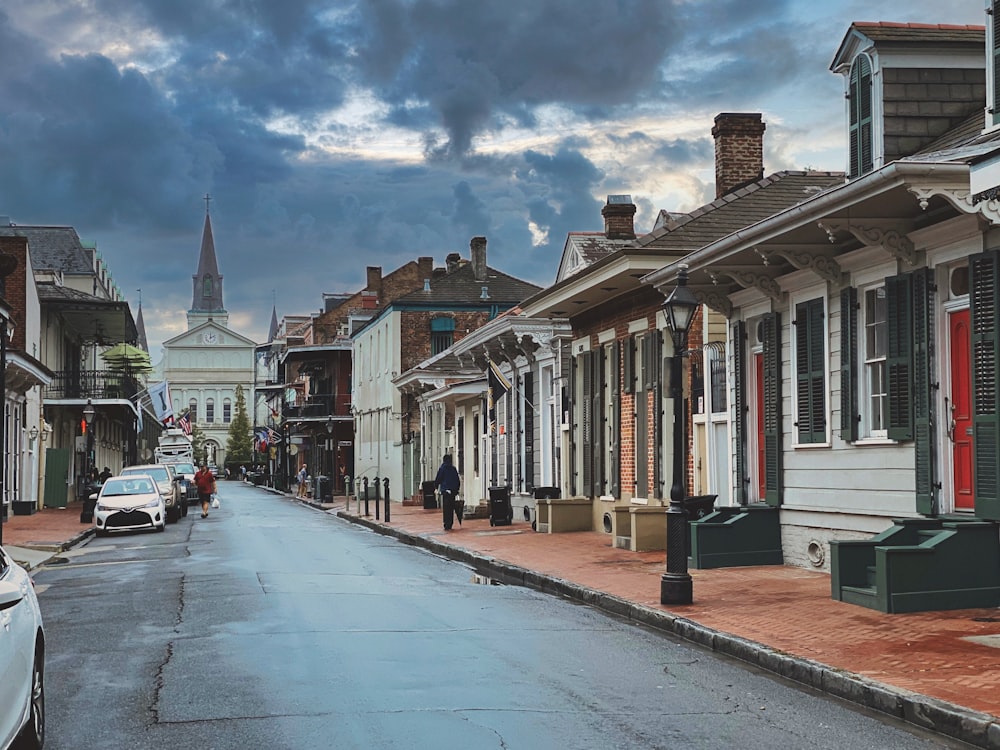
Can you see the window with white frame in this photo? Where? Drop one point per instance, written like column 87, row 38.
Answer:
column 876, row 391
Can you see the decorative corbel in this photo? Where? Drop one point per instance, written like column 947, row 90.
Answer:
column 984, row 203
column 823, row 266
column 714, row 300
column 747, row 279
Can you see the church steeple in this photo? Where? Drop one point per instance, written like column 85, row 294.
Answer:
column 140, row 328
column 206, row 301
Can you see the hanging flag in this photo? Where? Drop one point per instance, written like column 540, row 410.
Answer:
column 185, row 423
column 498, row 384
column 159, row 396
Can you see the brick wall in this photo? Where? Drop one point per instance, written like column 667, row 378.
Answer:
column 15, row 289
column 415, row 332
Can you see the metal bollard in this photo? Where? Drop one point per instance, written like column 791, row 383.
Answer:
column 347, row 494
column 366, row 496
column 385, row 481
column 378, row 497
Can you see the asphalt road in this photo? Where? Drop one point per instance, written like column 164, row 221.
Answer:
column 273, row 625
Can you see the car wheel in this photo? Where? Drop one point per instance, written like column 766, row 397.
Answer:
column 162, row 527
column 172, row 515
column 32, row 736
column 100, row 532
column 184, row 508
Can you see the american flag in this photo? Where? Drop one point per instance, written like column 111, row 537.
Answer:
column 185, row 423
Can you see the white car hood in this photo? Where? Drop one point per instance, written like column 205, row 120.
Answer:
column 122, row 502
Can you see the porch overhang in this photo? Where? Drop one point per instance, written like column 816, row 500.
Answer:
column 877, row 210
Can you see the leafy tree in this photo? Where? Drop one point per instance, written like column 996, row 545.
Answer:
column 239, row 446
column 198, row 444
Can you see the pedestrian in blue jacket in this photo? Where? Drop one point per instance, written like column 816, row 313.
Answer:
column 448, row 482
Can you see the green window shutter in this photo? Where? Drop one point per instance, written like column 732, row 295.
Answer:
column 924, row 448
column 810, row 371
column 656, row 361
column 629, row 354
column 849, row 415
column 899, row 356
column 984, row 305
column 995, row 21
column 600, row 421
column 571, row 367
column 615, row 470
column 860, row 124
column 771, row 324
column 529, row 400
column 586, row 366
column 739, row 343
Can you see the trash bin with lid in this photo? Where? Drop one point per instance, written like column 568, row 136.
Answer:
column 697, row 507
column 321, row 489
column 546, row 493
column 427, row 489
column 501, row 512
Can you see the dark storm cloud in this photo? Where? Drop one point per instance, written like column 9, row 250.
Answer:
column 476, row 61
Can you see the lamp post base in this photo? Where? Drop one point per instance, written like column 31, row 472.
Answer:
column 675, row 588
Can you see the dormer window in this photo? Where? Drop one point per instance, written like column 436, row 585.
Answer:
column 859, row 97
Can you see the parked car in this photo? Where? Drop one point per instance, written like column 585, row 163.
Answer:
column 22, row 659
column 130, row 503
column 185, row 471
column 214, row 469
column 169, row 485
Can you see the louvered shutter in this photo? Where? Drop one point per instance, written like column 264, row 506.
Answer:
column 849, row 414
column 899, row 356
column 924, row 448
column 629, row 365
column 810, row 371
column 995, row 62
column 530, row 460
column 985, row 304
column 600, row 421
column 614, row 470
column 571, row 368
column 657, row 380
column 860, row 124
column 641, row 427
column 586, row 365
column 771, row 325
column 739, row 334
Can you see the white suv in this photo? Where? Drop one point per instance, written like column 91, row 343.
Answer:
column 22, row 659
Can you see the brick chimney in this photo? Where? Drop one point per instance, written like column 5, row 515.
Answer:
column 478, row 248
column 451, row 261
column 425, row 266
column 619, row 216
column 375, row 280
column 739, row 150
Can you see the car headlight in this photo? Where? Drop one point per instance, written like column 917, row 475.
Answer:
column 102, row 507
column 151, row 504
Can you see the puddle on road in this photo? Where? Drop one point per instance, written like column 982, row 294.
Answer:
column 485, row 581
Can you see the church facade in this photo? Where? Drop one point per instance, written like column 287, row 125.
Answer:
column 205, row 364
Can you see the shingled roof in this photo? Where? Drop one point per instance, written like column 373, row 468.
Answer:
column 53, row 248
column 888, row 31
column 461, row 287
column 738, row 209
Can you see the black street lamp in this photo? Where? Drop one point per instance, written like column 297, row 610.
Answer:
column 675, row 584
column 88, row 420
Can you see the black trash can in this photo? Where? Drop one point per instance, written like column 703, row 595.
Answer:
column 501, row 512
column 89, row 503
column 699, row 506
column 427, row 489
column 321, row 489
column 546, row 493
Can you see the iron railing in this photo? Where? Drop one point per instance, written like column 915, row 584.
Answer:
column 92, row 384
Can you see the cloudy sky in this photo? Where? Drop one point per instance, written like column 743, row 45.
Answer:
column 337, row 134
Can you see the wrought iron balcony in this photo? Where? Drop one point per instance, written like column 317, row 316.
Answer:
column 327, row 405
column 95, row 384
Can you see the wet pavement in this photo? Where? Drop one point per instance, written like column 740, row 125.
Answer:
column 939, row 670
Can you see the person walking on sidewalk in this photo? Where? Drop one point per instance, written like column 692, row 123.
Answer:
column 204, row 480
column 303, row 475
column 448, row 482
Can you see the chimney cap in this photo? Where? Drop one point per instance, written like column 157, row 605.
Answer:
column 619, row 200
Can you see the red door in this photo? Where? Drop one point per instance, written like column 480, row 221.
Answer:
column 960, row 408
column 758, row 363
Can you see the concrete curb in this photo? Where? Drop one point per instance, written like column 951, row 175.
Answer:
column 976, row 728
column 33, row 556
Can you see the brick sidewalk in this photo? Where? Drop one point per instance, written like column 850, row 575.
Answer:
column 786, row 610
